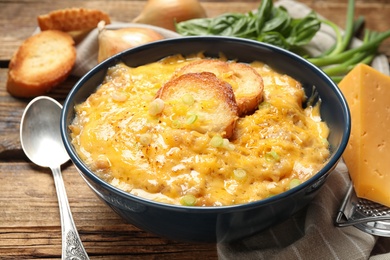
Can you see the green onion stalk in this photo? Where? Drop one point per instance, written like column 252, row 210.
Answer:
column 341, row 58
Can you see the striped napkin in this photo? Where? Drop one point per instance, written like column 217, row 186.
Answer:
column 311, row 233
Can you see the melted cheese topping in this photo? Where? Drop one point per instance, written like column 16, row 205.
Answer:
column 277, row 147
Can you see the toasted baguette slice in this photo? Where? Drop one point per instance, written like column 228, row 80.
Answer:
column 42, row 61
column 246, row 82
column 200, row 102
column 247, row 85
column 72, row 19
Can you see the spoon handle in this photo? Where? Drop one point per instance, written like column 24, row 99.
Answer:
column 72, row 247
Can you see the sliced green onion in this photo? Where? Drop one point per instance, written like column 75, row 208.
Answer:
column 294, row 183
column 145, row 139
column 219, row 141
column 191, row 119
column 188, row 200
column 119, row 96
column 325, row 141
column 188, row 99
column 264, row 105
column 156, row 107
column 239, row 174
column 272, row 156
column 216, row 141
column 228, row 145
column 176, row 124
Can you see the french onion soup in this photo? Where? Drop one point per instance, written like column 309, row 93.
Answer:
column 200, row 131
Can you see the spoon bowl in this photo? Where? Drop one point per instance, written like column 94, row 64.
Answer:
column 40, row 137
column 40, row 134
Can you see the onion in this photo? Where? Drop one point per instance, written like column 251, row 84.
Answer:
column 165, row 13
column 239, row 174
column 294, row 183
column 188, row 99
column 191, row 119
column 216, row 141
column 188, row 200
column 145, row 139
column 114, row 41
column 156, row 107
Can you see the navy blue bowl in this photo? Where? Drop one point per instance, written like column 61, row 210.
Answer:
column 227, row 223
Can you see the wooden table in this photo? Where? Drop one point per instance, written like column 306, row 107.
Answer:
column 29, row 215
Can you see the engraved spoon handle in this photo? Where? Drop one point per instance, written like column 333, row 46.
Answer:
column 72, row 247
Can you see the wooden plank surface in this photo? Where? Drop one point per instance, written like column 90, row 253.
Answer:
column 29, row 216
column 30, row 225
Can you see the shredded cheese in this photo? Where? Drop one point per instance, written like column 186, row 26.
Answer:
column 278, row 143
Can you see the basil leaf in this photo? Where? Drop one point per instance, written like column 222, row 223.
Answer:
column 263, row 13
column 268, row 24
column 274, row 38
column 303, row 30
column 194, row 27
column 280, row 22
column 238, row 25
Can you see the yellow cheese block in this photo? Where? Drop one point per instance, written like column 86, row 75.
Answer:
column 367, row 155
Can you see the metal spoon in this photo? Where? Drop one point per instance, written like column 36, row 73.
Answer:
column 40, row 138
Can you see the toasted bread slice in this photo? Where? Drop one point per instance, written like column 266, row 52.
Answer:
column 246, row 82
column 72, row 19
column 42, row 61
column 201, row 102
column 247, row 85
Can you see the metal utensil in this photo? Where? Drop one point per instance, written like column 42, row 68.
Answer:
column 364, row 214
column 41, row 142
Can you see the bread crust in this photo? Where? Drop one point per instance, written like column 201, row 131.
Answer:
column 42, row 61
column 246, row 82
column 72, row 19
column 214, row 103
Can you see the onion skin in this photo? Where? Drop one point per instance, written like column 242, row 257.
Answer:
column 165, row 13
column 112, row 42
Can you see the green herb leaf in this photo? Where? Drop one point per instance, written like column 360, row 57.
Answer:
column 303, row 30
column 274, row 38
column 268, row 24
column 263, row 14
column 279, row 22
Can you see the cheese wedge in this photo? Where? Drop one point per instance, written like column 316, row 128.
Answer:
column 367, row 154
